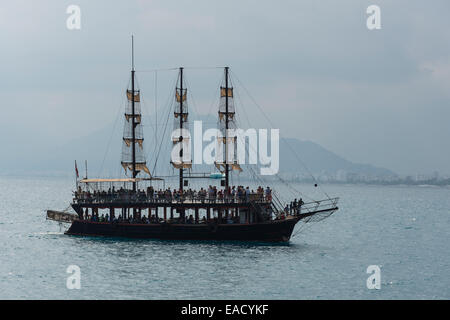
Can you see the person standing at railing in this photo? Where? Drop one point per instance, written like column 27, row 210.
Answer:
column 149, row 193
column 300, row 203
column 260, row 192
column 268, row 194
column 233, row 194
column 210, row 191
column 211, row 194
column 226, row 194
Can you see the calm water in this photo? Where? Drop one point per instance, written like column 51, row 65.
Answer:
column 405, row 230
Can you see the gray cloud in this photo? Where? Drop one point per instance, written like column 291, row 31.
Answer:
column 379, row 97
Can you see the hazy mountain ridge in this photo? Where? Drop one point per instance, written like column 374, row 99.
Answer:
column 102, row 149
column 320, row 160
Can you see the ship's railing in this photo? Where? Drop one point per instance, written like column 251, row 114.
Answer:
column 321, row 205
column 327, row 206
column 115, row 198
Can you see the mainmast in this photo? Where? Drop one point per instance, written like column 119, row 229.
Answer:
column 133, row 158
column 227, row 126
column 133, row 124
column 181, row 129
column 226, row 130
column 181, row 124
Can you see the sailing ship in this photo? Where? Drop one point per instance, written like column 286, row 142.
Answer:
column 133, row 207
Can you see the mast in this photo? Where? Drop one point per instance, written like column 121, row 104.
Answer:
column 226, row 130
column 181, row 106
column 181, row 128
column 133, row 126
column 133, row 158
column 227, row 126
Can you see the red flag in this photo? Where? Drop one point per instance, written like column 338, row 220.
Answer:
column 76, row 169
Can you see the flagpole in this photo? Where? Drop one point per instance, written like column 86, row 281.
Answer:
column 76, row 175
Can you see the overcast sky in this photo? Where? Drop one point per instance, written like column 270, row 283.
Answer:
column 380, row 97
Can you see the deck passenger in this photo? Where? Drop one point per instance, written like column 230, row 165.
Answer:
column 300, row 203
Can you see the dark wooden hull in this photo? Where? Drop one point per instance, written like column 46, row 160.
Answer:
column 274, row 231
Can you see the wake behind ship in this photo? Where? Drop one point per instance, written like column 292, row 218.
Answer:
column 138, row 207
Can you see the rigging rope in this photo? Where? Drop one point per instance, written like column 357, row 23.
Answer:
column 156, row 70
column 270, row 122
column 177, row 68
column 143, row 106
column 165, row 126
column 194, row 106
column 293, row 191
column 156, row 110
column 114, row 129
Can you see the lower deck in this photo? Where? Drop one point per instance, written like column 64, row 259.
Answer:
column 273, row 231
column 175, row 212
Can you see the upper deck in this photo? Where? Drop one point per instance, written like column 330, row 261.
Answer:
column 188, row 199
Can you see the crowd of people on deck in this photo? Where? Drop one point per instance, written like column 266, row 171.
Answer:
column 293, row 209
column 210, row 195
column 153, row 219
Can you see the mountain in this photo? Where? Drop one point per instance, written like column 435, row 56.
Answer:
column 320, row 160
column 102, row 149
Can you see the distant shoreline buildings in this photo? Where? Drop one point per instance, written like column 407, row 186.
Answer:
column 342, row 176
column 339, row 177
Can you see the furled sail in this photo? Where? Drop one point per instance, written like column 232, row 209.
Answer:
column 137, row 97
column 127, row 145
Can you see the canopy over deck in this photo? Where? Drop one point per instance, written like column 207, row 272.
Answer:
column 119, row 180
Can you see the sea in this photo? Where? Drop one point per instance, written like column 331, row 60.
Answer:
column 398, row 234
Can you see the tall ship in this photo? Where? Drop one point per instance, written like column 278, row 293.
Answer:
column 137, row 207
